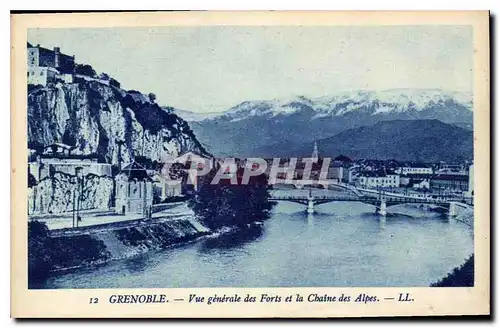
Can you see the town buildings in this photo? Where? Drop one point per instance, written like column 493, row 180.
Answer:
column 335, row 172
column 378, row 179
column 450, row 183
column 416, row 181
column 339, row 168
column 441, row 178
column 415, row 168
column 164, row 188
column 420, row 184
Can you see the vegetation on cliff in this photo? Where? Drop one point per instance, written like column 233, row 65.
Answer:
column 151, row 116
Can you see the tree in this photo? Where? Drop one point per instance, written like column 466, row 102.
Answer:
column 114, row 83
column 36, row 145
column 225, row 205
column 104, row 76
column 39, row 257
column 152, row 97
column 462, row 276
column 84, row 69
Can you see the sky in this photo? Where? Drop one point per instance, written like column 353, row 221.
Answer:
column 210, row 69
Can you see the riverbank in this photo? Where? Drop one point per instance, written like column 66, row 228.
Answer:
column 60, row 252
column 55, row 252
column 463, row 275
column 343, row 246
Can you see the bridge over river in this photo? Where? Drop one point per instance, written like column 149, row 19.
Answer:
column 381, row 201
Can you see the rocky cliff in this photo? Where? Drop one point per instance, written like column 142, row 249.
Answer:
column 95, row 117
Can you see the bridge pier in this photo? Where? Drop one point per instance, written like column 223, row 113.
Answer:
column 382, row 210
column 452, row 211
column 382, row 222
column 454, row 207
column 310, row 205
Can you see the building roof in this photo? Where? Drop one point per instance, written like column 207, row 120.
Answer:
column 416, row 165
column 135, row 172
column 451, row 177
column 342, row 158
column 58, row 144
column 38, row 46
column 374, row 174
column 82, row 158
column 48, row 50
column 416, row 175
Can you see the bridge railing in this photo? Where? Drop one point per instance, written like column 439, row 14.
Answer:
column 394, row 199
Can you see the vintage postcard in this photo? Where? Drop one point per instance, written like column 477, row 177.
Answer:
column 250, row 164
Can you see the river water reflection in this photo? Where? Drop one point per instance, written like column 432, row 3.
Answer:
column 342, row 245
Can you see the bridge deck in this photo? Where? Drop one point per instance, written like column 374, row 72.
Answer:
column 365, row 199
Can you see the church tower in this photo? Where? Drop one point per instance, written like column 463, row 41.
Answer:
column 315, row 154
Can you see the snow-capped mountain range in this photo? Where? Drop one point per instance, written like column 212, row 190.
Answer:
column 251, row 125
column 382, row 102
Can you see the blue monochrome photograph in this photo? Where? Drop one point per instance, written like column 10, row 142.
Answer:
column 250, row 156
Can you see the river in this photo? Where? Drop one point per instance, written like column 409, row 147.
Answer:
column 342, row 245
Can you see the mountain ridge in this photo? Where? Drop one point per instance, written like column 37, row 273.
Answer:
column 405, row 140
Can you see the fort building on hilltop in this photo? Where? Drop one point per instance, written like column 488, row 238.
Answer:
column 45, row 65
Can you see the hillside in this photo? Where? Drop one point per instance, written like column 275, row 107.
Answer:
column 408, row 140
